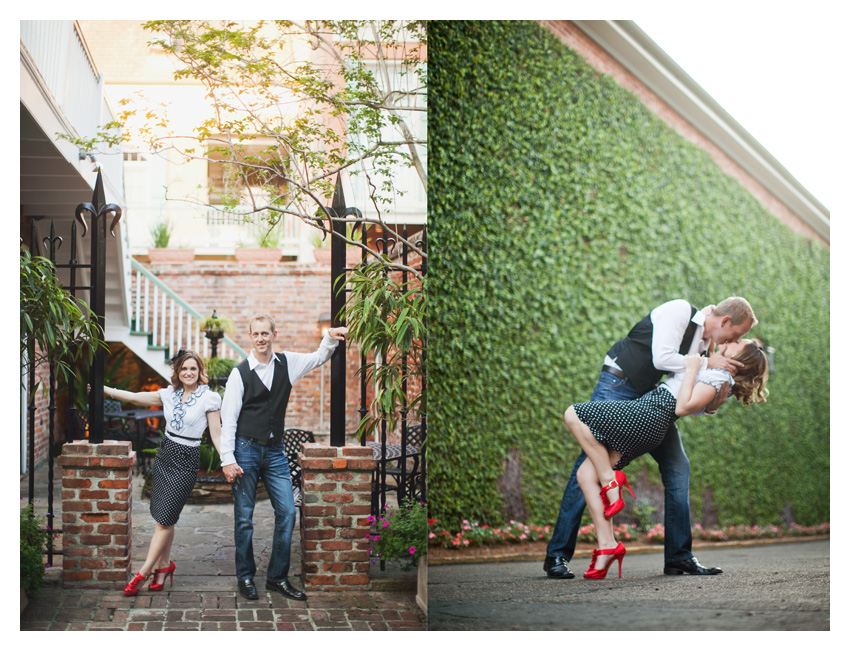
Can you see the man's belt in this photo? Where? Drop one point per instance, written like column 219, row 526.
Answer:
column 614, row 371
column 271, row 440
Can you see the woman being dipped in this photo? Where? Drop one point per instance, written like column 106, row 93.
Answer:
column 189, row 407
column 614, row 432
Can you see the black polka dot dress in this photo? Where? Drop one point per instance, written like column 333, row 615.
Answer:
column 631, row 427
column 175, row 469
column 635, row 427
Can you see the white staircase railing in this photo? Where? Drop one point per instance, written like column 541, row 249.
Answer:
column 168, row 321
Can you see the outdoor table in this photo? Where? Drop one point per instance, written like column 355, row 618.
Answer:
column 393, row 450
column 139, row 416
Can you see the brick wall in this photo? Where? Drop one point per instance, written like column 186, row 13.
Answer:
column 297, row 296
column 96, row 513
column 334, row 522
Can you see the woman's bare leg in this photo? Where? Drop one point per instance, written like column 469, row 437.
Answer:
column 588, row 481
column 596, row 452
column 159, row 549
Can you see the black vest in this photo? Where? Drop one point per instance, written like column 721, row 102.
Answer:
column 633, row 353
column 263, row 411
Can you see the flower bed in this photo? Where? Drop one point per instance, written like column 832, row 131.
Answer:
column 473, row 534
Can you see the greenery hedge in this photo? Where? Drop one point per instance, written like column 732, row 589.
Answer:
column 561, row 211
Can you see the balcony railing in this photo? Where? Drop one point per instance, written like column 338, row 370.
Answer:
column 170, row 322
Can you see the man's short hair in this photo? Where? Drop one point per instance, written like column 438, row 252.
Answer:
column 262, row 317
column 738, row 308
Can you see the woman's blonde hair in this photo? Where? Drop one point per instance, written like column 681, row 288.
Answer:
column 177, row 364
column 750, row 380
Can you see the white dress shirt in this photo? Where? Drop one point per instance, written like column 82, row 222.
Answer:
column 298, row 364
column 669, row 322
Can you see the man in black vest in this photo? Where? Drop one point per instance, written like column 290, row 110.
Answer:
column 252, row 425
column 656, row 345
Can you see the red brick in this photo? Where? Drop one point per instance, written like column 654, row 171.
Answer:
column 73, row 461
column 362, row 487
column 338, row 522
column 316, row 464
column 95, row 539
column 355, row 579
column 95, row 517
column 114, row 448
column 93, row 495
column 116, row 462
column 358, row 451
column 94, row 472
column 337, row 568
column 316, row 510
column 339, row 464
column 362, row 464
column 318, row 450
column 337, row 498
column 94, row 564
column 71, row 482
column 314, row 579
column 77, row 449
column 117, row 529
column 319, row 534
column 356, row 509
column 336, row 545
column 113, row 506
column 114, row 483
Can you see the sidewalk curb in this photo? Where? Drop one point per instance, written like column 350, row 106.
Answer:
column 512, row 557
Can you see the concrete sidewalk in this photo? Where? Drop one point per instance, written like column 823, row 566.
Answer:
column 204, row 595
column 767, row 587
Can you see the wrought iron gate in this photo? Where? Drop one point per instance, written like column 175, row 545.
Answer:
column 99, row 211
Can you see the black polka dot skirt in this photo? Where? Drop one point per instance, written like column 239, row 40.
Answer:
column 631, row 427
column 175, row 471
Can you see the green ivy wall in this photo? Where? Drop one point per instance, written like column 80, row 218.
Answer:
column 561, row 211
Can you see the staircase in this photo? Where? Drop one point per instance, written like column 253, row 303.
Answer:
column 161, row 323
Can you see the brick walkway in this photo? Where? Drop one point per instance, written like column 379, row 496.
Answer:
column 204, row 596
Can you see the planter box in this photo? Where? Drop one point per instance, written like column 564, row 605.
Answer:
column 258, row 255
column 323, row 255
column 171, row 256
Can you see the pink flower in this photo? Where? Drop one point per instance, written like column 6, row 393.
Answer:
column 412, row 550
column 432, row 535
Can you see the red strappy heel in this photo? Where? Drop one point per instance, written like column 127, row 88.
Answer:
column 169, row 571
column 618, row 482
column 136, row 583
column 617, row 553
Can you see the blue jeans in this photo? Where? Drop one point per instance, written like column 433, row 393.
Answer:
column 675, row 475
column 272, row 465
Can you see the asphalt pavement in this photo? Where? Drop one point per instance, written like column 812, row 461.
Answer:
column 773, row 587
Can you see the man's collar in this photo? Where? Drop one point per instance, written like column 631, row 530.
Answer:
column 253, row 361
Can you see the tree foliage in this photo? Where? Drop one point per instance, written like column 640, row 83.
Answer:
column 53, row 324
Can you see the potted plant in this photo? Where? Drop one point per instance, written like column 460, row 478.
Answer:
column 265, row 249
column 161, row 236
column 321, row 247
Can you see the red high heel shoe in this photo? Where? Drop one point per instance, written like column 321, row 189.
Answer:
column 617, row 553
column 169, row 571
column 618, row 482
column 136, row 583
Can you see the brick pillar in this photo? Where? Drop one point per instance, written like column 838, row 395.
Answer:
column 97, row 500
column 336, row 484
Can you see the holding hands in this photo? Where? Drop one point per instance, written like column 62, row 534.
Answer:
column 232, row 471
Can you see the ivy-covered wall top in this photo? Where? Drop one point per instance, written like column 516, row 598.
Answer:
column 561, row 211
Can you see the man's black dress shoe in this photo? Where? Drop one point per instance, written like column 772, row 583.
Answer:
column 247, row 589
column 285, row 588
column 556, row 568
column 689, row 566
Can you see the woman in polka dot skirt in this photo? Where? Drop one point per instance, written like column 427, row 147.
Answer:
column 613, row 432
column 189, row 406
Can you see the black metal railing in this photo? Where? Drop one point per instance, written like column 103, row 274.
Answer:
column 51, row 245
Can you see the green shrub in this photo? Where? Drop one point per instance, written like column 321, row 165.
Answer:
column 561, row 210
column 33, row 541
